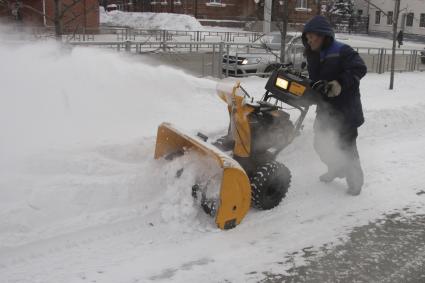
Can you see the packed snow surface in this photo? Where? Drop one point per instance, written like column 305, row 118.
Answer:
column 82, row 200
column 149, row 20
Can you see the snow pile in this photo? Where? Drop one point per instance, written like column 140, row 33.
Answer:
column 149, row 20
column 177, row 205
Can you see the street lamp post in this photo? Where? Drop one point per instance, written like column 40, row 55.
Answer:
column 267, row 16
column 396, row 14
column 284, row 29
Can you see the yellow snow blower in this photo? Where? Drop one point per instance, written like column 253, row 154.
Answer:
column 258, row 132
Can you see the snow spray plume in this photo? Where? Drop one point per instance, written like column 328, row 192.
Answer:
column 77, row 135
column 50, row 97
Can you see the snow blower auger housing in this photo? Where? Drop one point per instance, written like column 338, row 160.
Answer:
column 258, row 132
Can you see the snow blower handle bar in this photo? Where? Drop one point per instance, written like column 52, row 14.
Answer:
column 246, row 94
column 321, row 87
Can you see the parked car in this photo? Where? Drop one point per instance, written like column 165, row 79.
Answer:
column 262, row 55
column 111, row 7
column 423, row 56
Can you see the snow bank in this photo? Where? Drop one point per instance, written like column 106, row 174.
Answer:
column 149, row 20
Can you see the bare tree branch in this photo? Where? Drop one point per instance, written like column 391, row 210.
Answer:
column 76, row 16
column 67, row 7
column 376, row 7
column 36, row 11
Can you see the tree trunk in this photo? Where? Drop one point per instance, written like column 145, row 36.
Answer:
column 319, row 7
column 58, row 20
column 395, row 25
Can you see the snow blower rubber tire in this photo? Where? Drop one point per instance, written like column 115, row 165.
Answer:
column 269, row 185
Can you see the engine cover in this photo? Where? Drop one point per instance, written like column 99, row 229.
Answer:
column 270, row 129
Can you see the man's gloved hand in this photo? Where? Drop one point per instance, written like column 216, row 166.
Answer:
column 333, row 89
column 330, row 89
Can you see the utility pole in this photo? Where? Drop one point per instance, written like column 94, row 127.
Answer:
column 319, row 7
column 395, row 26
column 58, row 20
column 267, row 16
column 284, row 31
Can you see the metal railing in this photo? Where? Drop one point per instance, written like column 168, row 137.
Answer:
column 213, row 58
column 134, row 34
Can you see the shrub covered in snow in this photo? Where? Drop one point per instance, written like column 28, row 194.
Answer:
column 342, row 7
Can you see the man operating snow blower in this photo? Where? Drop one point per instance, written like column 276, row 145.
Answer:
column 336, row 70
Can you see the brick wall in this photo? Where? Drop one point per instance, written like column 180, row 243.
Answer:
column 226, row 10
column 296, row 15
column 84, row 13
column 26, row 15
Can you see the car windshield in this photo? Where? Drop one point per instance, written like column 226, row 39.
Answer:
column 273, row 41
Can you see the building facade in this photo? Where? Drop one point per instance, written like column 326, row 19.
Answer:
column 230, row 10
column 76, row 14
column 411, row 19
column 361, row 8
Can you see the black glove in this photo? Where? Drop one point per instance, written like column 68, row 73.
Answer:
column 320, row 86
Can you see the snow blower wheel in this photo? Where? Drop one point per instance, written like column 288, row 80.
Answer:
column 269, row 185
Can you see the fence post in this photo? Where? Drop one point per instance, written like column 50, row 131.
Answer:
column 164, row 36
column 414, row 56
column 197, row 40
column 213, row 61
column 203, row 64
column 128, row 46
column 220, row 60
column 227, row 60
column 381, row 61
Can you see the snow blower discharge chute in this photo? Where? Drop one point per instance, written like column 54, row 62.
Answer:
column 258, row 132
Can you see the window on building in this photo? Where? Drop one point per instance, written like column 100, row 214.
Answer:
column 377, row 17
column 301, row 4
column 360, row 12
column 409, row 19
column 390, row 18
column 422, row 21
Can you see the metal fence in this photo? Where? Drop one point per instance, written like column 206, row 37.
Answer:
column 124, row 34
column 220, row 59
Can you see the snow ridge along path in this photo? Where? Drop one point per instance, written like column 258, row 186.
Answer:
column 166, row 21
column 82, row 200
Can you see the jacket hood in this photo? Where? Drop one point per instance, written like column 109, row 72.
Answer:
column 319, row 25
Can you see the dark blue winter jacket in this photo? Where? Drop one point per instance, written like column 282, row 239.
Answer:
column 336, row 61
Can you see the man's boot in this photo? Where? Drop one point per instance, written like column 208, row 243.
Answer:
column 331, row 175
column 355, row 178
